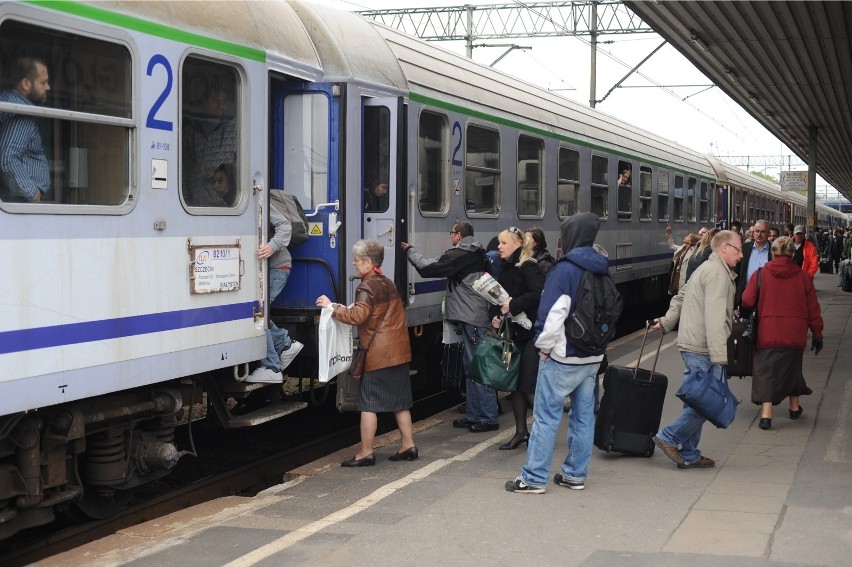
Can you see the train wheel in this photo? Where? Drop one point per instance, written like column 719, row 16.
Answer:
column 96, row 505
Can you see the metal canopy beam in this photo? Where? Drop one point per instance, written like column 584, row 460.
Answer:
column 503, row 21
column 788, row 64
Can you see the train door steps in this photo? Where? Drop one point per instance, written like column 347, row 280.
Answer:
column 272, row 411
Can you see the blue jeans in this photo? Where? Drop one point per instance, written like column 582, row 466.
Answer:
column 277, row 340
column 555, row 381
column 685, row 431
column 481, row 400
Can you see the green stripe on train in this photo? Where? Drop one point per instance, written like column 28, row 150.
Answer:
column 437, row 103
column 150, row 28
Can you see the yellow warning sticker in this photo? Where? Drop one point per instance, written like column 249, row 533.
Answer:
column 315, row 228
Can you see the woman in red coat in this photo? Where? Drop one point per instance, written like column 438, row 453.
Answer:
column 787, row 308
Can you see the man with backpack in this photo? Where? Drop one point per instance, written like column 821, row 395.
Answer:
column 569, row 314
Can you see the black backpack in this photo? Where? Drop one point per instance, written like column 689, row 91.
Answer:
column 594, row 311
column 289, row 206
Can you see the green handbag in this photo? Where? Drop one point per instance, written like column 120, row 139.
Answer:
column 497, row 360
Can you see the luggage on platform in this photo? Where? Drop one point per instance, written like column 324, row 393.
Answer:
column 740, row 352
column 846, row 275
column 825, row 266
column 631, row 407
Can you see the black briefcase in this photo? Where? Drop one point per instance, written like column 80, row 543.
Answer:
column 740, row 352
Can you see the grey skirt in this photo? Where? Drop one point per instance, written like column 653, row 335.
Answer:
column 777, row 375
column 386, row 390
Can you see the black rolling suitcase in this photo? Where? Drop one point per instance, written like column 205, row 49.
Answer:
column 825, row 266
column 846, row 278
column 631, row 407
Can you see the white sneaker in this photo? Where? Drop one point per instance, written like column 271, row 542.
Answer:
column 288, row 355
column 263, row 375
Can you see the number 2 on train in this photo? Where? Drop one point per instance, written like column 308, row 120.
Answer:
column 152, row 121
column 457, row 160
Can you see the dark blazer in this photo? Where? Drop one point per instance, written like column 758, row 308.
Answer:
column 742, row 271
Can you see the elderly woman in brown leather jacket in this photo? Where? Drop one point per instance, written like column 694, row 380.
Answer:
column 385, row 387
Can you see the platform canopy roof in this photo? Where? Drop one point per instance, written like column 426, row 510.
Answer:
column 789, row 64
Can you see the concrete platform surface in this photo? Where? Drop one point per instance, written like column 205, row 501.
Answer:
column 778, row 497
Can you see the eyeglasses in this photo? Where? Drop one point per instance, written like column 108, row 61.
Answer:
column 452, row 232
column 516, row 231
column 737, row 248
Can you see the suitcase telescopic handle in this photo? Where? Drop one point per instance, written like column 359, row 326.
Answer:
column 642, row 349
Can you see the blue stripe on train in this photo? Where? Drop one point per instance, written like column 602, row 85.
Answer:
column 90, row 331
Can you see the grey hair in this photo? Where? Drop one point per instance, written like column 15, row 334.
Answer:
column 371, row 250
column 783, row 246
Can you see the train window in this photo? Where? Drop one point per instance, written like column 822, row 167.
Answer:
column 678, row 199
column 306, row 147
column 568, row 184
column 645, row 196
column 432, row 163
column 210, row 134
column 600, row 172
column 67, row 139
column 663, row 196
column 624, row 197
column 704, row 203
column 530, row 152
column 691, row 198
column 482, row 171
column 376, row 153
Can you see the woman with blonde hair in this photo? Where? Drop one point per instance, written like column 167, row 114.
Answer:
column 787, row 307
column 523, row 280
column 386, row 385
column 702, row 253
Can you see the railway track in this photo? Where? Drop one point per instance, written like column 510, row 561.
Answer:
column 244, row 480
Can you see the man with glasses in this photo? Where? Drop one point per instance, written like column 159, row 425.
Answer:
column 755, row 254
column 702, row 340
column 461, row 265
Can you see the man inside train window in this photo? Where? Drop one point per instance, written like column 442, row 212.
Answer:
column 24, row 174
column 376, row 198
column 209, row 140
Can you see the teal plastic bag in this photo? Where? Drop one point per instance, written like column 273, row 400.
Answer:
column 497, row 360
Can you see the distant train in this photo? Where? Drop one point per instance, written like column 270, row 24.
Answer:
column 132, row 289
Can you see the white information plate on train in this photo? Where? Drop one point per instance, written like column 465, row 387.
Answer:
column 214, row 269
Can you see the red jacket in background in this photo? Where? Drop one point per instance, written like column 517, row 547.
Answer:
column 788, row 305
column 810, row 256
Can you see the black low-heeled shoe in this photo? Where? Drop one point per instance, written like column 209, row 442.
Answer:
column 367, row 461
column 515, row 442
column 409, row 454
column 796, row 414
column 765, row 423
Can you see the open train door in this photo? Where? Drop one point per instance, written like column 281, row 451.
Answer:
column 383, row 180
column 305, row 118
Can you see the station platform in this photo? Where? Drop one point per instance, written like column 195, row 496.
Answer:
column 776, row 497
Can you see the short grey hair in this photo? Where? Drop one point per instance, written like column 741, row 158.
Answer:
column 370, row 249
column 783, row 246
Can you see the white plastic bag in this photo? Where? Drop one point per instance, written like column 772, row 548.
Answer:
column 335, row 346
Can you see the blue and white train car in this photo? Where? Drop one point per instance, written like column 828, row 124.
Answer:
column 133, row 273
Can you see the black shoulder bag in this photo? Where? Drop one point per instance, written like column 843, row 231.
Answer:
column 750, row 331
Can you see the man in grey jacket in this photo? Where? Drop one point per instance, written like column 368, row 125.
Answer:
column 702, row 340
column 461, row 265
